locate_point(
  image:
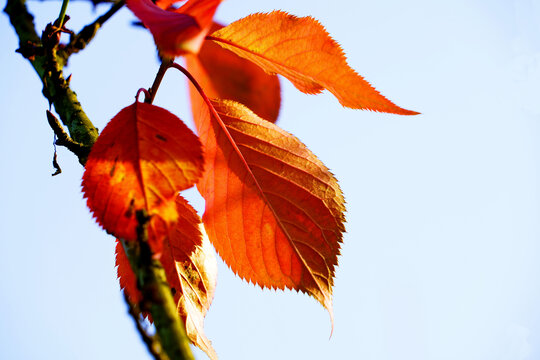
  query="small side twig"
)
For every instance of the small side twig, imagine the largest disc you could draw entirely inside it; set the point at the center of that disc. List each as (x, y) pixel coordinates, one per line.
(79, 41)
(56, 88)
(60, 21)
(63, 139)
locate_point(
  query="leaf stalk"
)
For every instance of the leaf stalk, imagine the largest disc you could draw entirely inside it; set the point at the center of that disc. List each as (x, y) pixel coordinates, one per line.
(165, 65)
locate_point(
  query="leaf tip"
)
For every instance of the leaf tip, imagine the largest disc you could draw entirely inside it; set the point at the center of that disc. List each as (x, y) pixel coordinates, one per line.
(409, 112)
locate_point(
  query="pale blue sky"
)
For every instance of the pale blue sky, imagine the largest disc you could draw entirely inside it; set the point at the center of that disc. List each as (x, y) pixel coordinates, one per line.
(441, 260)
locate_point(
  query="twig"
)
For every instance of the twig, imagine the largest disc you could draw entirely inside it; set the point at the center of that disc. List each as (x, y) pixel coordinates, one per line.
(151, 343)
(156, 293)
(151, 277)
(60, 21)
(55, 87)
(63, 139)
(81, 40)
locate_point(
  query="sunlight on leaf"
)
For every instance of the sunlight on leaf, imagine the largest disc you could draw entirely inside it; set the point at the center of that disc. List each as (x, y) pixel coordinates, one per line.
(224, 75)
(301, 50)
(274, 212)
(141, 160)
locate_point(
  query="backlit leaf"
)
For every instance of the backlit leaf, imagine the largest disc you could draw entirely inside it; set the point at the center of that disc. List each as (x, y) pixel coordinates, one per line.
(301, 50)
(224, 75)
(176, 31)
(141, 160)
(274, 212)
(191, 269)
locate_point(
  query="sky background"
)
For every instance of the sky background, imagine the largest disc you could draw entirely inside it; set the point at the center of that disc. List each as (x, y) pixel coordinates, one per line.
(441, 259)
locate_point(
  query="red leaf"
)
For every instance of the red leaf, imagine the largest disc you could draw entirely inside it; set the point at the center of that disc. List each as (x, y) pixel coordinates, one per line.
(301, 50)
(191, 270)
(273, 211)
(176, 32)
(167, 4)
(224, 75)
(139, 162)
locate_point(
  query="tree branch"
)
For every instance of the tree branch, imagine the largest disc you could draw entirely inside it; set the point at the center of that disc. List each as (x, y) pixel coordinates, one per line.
(55, 88)
(63, 139)
(42, 53)
(152, 344)
(156, 293)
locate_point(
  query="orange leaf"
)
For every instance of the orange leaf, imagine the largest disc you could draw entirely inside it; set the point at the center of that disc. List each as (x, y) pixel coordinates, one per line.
(178, 31)
(138, 162)
(191, 270)
(224, 75)
(273, 210)
(301, 50)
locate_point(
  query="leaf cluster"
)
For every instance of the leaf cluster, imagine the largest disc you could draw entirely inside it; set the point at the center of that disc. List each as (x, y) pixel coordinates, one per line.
(274, 212)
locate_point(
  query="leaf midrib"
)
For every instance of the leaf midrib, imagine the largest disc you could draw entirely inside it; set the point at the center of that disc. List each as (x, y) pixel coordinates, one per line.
(232, 142)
